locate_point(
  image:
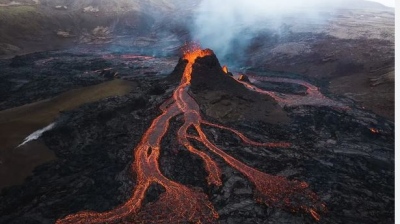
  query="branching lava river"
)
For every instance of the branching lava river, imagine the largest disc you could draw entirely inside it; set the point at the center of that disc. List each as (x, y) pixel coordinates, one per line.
(179, 203)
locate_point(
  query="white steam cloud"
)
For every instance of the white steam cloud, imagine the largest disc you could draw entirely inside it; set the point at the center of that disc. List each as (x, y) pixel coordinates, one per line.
(35, 135)
(228, 25)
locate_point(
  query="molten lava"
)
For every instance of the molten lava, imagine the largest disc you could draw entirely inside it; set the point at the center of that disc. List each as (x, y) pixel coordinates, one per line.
(225, 69)
(313, 96)
(374, 130)
(180, 203)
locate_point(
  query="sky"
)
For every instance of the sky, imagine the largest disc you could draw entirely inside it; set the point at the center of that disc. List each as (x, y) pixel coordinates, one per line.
(389, 3)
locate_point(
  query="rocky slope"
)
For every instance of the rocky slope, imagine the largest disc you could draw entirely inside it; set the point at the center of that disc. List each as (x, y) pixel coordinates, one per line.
(30, 26)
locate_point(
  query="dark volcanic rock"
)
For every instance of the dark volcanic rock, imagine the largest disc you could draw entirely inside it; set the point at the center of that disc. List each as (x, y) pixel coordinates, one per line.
(346, 156)
(157, 90)
(176, 74)
(209, 76)
(94, 145)
(244, 78)
(220, 96)
(47, 74)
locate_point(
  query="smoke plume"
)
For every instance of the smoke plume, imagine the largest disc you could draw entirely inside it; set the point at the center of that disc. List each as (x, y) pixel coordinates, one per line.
(228, 26)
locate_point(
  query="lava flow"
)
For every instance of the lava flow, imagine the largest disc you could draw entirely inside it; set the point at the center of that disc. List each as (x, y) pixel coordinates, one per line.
(179, 203)
(313, 96)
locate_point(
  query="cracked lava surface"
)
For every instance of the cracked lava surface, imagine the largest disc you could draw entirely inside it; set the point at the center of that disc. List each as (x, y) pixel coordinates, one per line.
(180, 203)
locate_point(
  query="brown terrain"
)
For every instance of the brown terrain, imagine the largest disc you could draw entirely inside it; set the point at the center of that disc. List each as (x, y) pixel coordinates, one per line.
(354, 52)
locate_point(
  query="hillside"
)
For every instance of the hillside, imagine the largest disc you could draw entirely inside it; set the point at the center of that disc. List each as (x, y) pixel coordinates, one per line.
(29, 26)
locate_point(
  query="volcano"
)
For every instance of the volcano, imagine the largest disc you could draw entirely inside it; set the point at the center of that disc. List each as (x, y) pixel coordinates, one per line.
(222, 97)
(203, 146)
(108, 116)
(179, 203)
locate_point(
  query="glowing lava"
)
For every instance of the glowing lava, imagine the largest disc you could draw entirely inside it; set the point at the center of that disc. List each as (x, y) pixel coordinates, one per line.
(313, 96)
(374, 130)
(179, 203)
(225, 69)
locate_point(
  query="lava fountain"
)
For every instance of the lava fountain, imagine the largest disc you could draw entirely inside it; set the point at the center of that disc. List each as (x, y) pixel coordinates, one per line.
(179, 203)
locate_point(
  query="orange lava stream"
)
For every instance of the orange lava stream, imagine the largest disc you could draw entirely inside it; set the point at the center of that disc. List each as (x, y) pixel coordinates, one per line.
(313, 97)
(247, 140)
(182, 204)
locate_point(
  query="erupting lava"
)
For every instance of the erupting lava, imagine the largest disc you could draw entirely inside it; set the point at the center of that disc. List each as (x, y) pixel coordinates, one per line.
(182, 204)
(225, 69)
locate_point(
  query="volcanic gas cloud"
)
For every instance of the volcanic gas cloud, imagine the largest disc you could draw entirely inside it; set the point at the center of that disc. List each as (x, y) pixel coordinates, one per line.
(180, 203)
